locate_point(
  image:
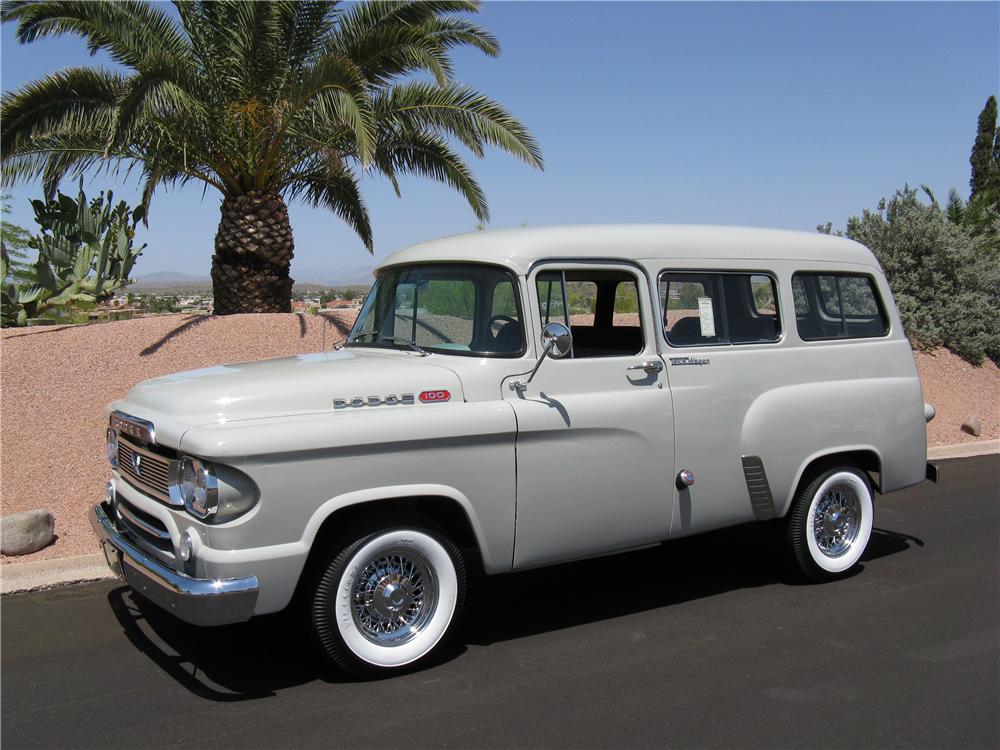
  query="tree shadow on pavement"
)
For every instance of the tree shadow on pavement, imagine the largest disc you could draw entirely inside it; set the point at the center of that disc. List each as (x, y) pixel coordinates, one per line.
(253, 660)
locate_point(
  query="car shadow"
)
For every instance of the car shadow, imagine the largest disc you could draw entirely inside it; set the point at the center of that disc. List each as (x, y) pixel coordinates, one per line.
(256, 659)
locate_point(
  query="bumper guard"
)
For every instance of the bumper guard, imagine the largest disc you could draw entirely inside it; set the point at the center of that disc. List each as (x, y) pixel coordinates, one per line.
(199, 601)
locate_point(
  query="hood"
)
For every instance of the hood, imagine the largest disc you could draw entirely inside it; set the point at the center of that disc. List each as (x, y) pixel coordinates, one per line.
(291, 385)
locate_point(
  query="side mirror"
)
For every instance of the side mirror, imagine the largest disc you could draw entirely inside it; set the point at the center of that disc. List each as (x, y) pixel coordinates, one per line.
(557, 342)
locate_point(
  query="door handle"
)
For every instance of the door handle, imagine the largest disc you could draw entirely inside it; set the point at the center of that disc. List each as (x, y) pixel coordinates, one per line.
(650, 366)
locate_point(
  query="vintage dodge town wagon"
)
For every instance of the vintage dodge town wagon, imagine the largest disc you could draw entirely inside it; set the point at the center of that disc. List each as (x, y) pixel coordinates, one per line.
(674, 379)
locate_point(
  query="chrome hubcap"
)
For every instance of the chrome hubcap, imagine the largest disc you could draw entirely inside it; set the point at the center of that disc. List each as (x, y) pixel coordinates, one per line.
(837, 520)
(394, 597)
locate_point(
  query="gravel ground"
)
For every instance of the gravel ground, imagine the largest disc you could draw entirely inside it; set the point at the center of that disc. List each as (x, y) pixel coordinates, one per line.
(56, 382)
(957, 390)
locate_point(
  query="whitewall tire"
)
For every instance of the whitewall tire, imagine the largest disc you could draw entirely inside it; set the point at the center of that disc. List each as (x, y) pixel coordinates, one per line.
(831, 523)
(388, 598)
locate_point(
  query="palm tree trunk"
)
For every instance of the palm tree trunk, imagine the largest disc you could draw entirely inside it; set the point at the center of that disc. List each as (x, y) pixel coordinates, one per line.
(253, 255)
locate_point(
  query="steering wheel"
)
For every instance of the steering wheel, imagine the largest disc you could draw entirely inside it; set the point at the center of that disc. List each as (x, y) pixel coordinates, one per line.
(499, 319)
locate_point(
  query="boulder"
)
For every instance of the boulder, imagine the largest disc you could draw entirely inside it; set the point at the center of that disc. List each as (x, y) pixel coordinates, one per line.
(971, 425)
(24, 533)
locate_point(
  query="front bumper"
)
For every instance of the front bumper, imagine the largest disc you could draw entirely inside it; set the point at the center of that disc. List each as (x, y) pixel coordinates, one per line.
(199, 601)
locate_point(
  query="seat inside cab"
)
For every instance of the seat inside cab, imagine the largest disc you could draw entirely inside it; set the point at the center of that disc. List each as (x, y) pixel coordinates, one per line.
(603, 310)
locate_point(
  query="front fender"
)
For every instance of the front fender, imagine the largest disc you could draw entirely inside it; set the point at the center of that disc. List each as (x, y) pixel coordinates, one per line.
(396, 492)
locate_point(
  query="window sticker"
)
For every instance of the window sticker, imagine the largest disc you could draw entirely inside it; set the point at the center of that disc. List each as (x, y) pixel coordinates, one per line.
(707, 317)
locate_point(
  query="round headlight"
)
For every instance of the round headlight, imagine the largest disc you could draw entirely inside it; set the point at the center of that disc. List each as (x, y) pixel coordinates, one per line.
(113, 448)
(199, 487)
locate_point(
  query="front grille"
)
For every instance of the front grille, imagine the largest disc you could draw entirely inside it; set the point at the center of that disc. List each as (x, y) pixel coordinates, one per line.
(142, 526)
(146, 471)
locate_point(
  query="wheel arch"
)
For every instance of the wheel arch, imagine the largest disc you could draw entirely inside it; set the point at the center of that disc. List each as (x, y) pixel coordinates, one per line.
(864, 457)
(440, 504)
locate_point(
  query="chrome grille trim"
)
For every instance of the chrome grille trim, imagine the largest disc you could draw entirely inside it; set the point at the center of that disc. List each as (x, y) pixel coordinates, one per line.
(144, 530)
(125, 510)
(156, 471)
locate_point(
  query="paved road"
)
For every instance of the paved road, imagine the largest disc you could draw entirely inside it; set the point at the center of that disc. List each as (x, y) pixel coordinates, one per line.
(708, 642)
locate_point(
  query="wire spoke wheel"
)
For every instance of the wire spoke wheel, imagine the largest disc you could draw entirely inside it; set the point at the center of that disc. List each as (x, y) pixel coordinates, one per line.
(831, 522)
(836, 520)
(388, 595)
(394, 597)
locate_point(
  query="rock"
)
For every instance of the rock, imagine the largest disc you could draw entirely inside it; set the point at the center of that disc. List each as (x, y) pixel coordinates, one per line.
(971, 425)
(24, 533)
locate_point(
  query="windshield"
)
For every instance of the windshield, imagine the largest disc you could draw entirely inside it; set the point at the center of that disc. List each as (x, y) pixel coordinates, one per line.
(447, 309)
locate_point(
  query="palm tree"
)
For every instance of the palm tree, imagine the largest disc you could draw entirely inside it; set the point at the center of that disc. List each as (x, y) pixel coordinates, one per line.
(264, 101)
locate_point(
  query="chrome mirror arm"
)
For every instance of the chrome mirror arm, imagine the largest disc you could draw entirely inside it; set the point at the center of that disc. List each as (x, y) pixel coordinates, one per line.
(557, 342)
(521, 386)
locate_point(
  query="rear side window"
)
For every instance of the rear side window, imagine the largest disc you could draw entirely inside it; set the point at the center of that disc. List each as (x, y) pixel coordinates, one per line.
(704, 309)
(837, 306)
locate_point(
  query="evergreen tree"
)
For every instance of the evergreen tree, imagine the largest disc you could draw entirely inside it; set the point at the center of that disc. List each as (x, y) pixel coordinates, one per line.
(984, 150)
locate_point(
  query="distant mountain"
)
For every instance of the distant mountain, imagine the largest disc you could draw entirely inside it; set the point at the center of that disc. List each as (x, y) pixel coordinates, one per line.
(170, 280)
(350, 276)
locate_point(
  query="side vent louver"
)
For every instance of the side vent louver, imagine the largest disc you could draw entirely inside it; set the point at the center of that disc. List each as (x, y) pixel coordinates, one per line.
(761, 499)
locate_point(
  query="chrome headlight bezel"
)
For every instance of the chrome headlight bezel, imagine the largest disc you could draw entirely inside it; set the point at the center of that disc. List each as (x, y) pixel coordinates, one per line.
(198, 487)
(112, 445)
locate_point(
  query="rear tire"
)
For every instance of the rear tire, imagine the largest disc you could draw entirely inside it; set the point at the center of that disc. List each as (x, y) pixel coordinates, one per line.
(388, 598)
(831, 523)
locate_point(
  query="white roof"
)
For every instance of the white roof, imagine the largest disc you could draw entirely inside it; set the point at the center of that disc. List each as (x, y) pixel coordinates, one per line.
(518, 249)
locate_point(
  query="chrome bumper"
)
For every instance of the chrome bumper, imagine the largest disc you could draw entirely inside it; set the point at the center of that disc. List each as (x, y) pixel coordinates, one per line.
(199, 601)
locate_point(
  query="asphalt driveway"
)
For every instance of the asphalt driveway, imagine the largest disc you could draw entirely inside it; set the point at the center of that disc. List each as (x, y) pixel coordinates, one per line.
(707, 642)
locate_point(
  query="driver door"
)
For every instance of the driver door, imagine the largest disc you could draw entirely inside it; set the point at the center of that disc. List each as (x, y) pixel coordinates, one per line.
(595, 429)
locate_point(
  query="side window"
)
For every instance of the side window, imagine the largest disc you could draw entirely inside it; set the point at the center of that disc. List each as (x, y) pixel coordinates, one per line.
(601, 307)
(706, 309)
(837, 306)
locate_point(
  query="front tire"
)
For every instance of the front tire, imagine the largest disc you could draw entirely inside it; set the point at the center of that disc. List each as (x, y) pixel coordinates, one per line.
(388, 599)
(831, 523)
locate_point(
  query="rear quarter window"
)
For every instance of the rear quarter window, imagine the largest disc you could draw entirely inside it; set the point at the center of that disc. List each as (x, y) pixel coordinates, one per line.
(837, 306)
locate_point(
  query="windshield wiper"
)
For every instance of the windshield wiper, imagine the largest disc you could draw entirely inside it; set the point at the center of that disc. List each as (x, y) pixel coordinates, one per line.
(407, 342)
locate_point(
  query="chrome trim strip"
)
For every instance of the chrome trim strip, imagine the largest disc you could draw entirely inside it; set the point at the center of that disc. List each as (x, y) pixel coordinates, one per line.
(199, 601)
(147, 527)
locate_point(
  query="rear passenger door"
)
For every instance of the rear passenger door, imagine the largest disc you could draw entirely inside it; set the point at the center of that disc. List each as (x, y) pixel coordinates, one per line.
(595, 433)
(722, 330)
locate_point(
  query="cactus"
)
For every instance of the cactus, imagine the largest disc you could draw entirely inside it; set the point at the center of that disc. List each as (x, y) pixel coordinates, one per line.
(85, 253)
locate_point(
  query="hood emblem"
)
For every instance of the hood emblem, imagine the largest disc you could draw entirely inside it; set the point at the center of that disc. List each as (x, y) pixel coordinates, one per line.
(405, 399)
(137, 464)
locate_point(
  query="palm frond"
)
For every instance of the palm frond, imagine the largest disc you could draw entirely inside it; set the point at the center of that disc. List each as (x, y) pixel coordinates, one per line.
(337, 190)
(67, 100)
(129, 30)
(466, 114)
(333, 93)
(428, 155)
(156, 92)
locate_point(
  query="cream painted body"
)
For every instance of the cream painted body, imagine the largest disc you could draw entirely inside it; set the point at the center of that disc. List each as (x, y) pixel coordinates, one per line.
(584, 462)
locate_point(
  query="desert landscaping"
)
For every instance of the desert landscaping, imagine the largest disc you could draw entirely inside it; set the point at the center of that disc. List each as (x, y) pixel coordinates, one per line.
(57, 381)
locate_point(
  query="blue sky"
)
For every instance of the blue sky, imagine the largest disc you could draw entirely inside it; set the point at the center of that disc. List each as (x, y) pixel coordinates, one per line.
(776, 114)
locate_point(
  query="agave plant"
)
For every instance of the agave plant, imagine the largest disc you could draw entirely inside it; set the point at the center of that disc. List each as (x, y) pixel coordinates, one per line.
(265, 102)
(85, 252)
